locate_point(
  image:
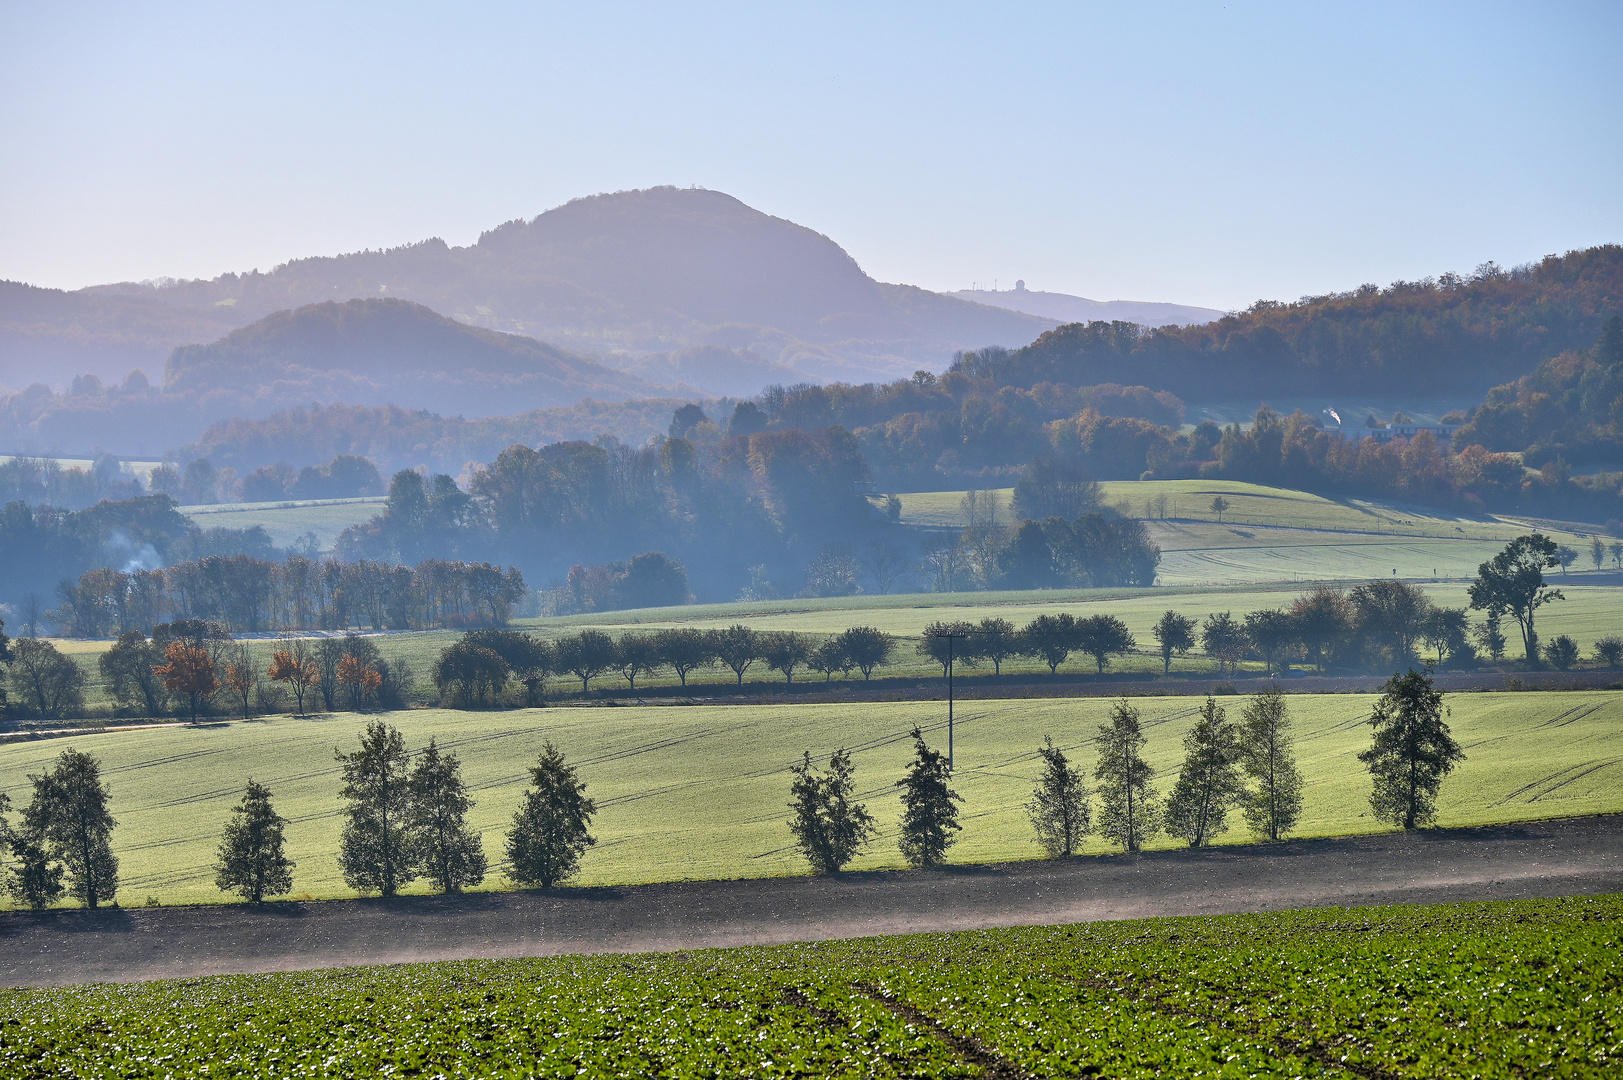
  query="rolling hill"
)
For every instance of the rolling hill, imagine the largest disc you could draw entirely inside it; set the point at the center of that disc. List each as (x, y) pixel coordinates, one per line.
(388, 351)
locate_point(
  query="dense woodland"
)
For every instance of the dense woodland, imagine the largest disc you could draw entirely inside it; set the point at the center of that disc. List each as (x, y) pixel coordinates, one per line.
(1436, 335)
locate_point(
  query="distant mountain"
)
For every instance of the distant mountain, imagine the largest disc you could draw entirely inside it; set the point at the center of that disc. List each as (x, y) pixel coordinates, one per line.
(389, 351)
(626, 276)
(1064, 308)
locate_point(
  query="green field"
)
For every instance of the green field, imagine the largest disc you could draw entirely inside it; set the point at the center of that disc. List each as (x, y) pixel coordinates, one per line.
(289, 521)
(1280, 535)
(699, 792)
(1517, 989)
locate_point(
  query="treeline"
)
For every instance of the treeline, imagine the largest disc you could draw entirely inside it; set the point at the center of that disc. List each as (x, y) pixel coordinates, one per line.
(397, 438)
(717, 505)
(41, 546)
(1379, 625)
(1292, 451)
(251, 595)
(1436, 335)
(195, 668)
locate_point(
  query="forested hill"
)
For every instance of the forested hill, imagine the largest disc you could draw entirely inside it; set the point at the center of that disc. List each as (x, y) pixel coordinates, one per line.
(1449, 334)
(643, 272)
(387, 351)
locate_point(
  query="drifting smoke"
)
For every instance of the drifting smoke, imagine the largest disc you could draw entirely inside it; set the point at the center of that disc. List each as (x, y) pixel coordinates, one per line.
(122, 548)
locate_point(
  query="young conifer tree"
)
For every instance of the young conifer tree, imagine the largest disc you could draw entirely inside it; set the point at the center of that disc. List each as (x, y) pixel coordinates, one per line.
(1411, 753)
(251, 860)
(1128, 808)
(1209, 783)
(828, 826)
(549, 833)
(68, 818)
(1059, 805)
(453, 856)
(1273, 808)
(929, 817)
(378, 849)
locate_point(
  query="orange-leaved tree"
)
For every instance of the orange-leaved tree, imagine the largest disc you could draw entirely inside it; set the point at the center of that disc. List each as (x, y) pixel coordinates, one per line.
(298, 670)
(362, 679)
(189, 670)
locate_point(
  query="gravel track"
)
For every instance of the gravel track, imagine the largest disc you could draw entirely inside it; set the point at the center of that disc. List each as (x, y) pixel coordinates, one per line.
(1540, 859)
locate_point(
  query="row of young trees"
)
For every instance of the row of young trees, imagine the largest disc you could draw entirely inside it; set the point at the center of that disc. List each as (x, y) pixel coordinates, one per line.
(253, 595)
(478, 668)
(1249, 765)
(1381, 622)
(195, 668)
(403, 820)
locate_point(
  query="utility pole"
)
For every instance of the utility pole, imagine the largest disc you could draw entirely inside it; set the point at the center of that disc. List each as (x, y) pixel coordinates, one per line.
(953, 635)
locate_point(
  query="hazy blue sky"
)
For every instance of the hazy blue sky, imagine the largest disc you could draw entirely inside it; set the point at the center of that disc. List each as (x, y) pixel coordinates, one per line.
(1201, 153)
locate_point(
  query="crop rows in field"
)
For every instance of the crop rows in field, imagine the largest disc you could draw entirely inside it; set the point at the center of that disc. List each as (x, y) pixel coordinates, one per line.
(1528, 988)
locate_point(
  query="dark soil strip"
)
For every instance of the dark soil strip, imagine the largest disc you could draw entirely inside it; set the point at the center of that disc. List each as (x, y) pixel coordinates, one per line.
(795, 998)
(967, 1047)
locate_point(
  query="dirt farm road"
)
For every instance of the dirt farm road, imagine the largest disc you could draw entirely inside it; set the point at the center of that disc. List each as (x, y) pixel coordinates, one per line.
(1539, 859)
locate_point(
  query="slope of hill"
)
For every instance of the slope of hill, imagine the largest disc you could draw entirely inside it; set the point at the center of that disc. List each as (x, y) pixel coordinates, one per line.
(383, 351)
(1065, 308)
(640, 272)
(1450, 335)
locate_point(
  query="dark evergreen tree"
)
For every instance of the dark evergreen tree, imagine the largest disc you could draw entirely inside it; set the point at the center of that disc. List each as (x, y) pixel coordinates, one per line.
(549, 832)
(1059, 805)
(1209, 783)
(251, 860)
(929, 817)
(452, 855)
(1129, 811)
(1266, 746)
(828, 826)
(378, 849)
(69, 818)
(1412, 751)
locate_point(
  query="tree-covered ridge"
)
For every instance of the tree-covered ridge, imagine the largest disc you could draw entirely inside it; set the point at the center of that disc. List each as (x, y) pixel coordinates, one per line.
(1449, 333)
(1570, 406)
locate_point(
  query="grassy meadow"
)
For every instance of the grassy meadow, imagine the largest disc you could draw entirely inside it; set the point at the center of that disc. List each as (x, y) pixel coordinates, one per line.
(693, 792)
(1280, 535)
(289, 521)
